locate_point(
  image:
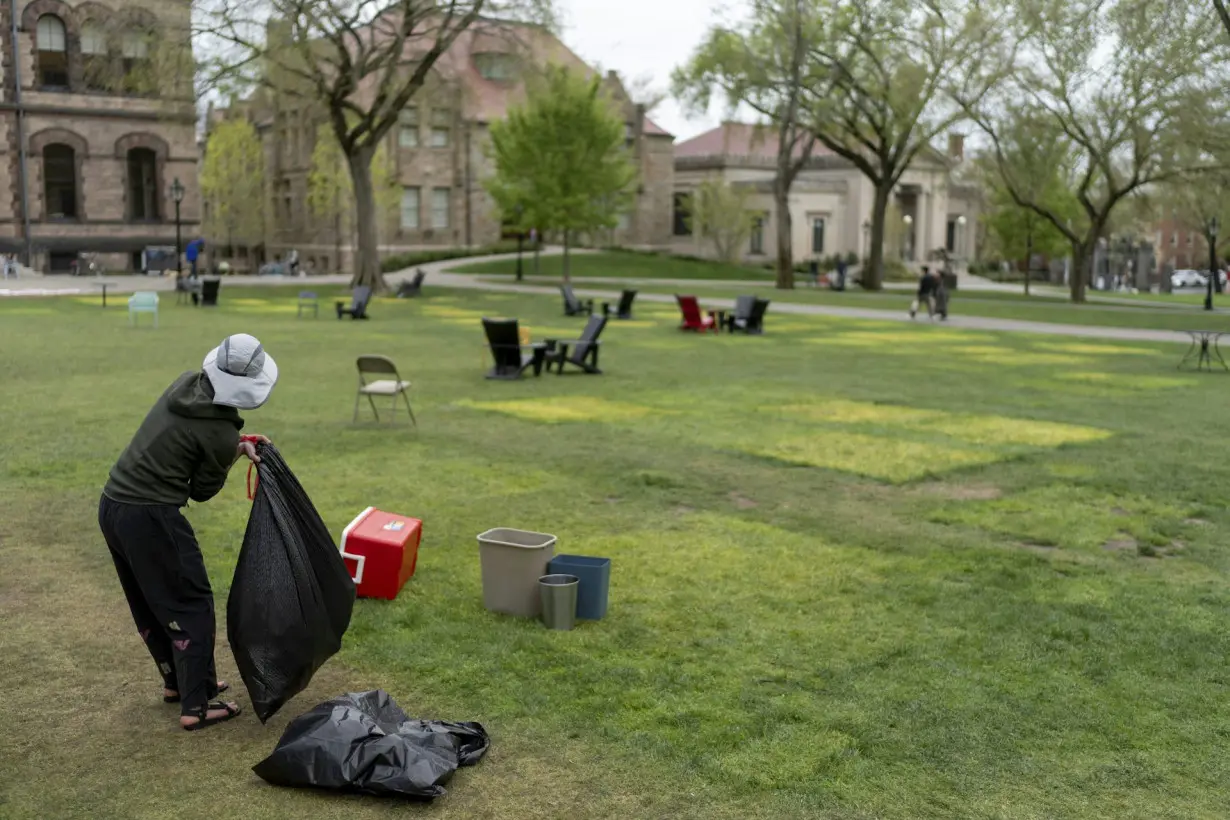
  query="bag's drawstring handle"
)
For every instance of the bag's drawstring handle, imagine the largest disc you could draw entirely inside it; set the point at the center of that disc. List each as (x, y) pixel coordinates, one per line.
(252, 487)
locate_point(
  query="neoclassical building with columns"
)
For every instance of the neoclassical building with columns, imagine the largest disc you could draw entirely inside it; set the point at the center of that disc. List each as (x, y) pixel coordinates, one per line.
(96, 122)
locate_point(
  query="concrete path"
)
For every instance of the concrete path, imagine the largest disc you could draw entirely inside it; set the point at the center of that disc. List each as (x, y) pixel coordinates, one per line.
(439, 274)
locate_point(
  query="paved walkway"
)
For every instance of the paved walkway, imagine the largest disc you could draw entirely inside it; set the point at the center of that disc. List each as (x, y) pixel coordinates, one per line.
(439, 274)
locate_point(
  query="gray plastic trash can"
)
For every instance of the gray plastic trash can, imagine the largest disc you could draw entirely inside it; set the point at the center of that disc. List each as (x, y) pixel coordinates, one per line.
(559, 600)
(512, 561)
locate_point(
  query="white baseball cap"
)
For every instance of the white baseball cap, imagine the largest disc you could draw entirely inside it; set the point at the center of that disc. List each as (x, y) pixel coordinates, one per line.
(241, 373)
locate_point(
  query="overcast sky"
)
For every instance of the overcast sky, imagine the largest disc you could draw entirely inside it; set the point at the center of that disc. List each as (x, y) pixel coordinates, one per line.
(645, 38)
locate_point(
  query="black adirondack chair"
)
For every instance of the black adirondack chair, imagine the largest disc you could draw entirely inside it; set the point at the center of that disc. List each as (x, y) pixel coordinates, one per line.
(358, 304)
(512, 358)
(408, 290)
(574, 306)
(624, 309)
(582, 352)
(748, 315)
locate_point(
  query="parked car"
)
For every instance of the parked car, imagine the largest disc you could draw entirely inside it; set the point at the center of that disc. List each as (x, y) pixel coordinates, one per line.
(272, 269)
(1188, 279)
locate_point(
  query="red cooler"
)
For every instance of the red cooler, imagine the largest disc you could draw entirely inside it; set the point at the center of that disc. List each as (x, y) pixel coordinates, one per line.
(380, 550)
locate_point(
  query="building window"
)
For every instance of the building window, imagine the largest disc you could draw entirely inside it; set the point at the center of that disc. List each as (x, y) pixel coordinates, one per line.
(625, 222)
(440, 198)
(52, 52)
(410, 208)
(59, 182)
(1189, 240)
(1174, 239)
(756, 245)
(496, 67)
(950, 242)
(408, 134)
(683, 214)
(817, 234)
(441, 123)
(134, 49)
(142, 185)
(94, 57)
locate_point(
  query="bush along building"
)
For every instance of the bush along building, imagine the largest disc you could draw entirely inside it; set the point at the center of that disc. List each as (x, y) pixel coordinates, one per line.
(96, 123)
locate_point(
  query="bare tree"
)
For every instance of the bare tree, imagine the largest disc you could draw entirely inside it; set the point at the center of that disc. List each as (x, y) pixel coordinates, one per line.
(359, 61)
(882, 74)
(1132, 87)
(761, 64)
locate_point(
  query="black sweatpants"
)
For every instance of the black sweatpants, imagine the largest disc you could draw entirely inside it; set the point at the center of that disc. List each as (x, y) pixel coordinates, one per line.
(163, 575)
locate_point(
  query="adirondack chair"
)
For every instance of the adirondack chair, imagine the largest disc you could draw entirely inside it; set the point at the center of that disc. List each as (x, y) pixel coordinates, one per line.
(145, 301)
(407, 290)
(358, 304)
(582, 352)
(748, 315)
(512, 356)
(624, 309)
(308, 301)
(574, 306)
(692, 317)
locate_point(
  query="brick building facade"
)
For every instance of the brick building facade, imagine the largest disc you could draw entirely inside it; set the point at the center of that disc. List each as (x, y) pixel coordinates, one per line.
(89, 142)
(438, 151)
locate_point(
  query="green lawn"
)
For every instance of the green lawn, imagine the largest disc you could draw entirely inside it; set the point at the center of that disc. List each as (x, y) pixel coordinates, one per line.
(1167, 314)
(860, 569)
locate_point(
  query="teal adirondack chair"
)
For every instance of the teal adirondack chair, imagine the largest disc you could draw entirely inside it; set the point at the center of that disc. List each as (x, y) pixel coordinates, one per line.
(145, 301)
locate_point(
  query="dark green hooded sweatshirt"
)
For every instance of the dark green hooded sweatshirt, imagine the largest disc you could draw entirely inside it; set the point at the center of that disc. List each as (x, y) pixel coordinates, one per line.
(183, 450)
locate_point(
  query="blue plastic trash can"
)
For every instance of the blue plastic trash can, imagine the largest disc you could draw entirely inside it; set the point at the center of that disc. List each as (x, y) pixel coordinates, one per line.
(595, 582)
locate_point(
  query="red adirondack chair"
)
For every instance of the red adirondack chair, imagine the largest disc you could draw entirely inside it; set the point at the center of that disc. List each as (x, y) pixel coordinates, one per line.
(693, 319)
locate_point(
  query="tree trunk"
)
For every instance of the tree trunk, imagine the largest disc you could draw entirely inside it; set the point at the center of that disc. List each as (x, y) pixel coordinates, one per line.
(873, 271)
(367, 258)
(1029, 256)
(781, 206)
(567, 259)
(1082, 267)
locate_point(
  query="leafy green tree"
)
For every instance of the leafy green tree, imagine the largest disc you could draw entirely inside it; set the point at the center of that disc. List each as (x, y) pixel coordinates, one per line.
(360, 62)
(1134, 88)
(760, 63)
(331, 192)
(232, 184)
(560, 158)
(719, 212)
(880, 83)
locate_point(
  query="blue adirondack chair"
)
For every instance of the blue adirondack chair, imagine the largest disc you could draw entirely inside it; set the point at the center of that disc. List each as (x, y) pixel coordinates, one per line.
(145, 301)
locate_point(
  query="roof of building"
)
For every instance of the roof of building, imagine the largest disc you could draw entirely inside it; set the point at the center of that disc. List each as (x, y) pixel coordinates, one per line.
(739, 139)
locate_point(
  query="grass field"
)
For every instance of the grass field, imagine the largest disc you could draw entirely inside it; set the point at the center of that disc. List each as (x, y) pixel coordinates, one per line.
(1155, 312)
(860, 569)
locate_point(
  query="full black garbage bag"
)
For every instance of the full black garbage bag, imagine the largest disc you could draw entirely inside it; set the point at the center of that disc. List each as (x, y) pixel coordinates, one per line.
(362, 742)
(291, 597)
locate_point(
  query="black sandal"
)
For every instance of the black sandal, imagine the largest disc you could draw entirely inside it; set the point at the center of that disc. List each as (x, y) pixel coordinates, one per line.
(222, 687)
(202, 721)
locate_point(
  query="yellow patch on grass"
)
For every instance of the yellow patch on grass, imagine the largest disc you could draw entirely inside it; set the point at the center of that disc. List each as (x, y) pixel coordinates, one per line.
(564, 409)
(1096, 349)
(1125, 381)
(887, 459)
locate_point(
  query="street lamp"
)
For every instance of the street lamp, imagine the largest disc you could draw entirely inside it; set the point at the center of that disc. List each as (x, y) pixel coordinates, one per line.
(908, 250)
(866, 239)
(960, 243)
(1208, 299)
(177, 196)
(520, 237)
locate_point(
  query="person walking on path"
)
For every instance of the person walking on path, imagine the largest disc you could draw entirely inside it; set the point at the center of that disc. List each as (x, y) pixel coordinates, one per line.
(183, 451)
(926, 290)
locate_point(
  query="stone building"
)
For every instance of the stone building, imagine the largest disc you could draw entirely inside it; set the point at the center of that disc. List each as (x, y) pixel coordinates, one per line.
(438, 153)
(98, 120)
(830, 201)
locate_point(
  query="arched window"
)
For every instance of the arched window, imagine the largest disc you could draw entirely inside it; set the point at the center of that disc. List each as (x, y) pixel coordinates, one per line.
(52, 40)
(142, 185)
(59, 182)
(96, 66)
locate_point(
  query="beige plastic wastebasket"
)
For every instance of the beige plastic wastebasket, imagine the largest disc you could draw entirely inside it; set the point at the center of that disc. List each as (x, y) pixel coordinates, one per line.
(512, 561)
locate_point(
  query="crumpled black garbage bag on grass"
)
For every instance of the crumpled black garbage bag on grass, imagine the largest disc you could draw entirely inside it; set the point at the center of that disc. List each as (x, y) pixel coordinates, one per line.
(362, 742)
(291, 597)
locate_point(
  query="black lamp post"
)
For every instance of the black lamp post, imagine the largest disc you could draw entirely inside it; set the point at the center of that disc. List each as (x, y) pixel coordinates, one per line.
(1208, 299)
(177, 196)
(520, 238)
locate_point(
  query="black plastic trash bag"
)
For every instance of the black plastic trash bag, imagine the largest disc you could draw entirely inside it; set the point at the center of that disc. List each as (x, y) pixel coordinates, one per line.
(362, 742)
(291, 597)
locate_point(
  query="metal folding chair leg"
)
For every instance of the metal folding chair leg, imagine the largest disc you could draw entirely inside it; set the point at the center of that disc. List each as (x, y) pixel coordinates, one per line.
(413, 420)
